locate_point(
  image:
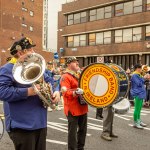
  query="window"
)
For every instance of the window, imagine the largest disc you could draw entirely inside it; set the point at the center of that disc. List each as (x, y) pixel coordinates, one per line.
(99, 38)
(108, 12)
(119, 10)
(128, 8)
(127, 35)
(137, 34)
(148, 4)
(70, 19)
(147, 32)
(79, 40)
(70, 41)
(76, 41)
(76, 18)
(100, 13)
(82, 40)
(31, 13)
(107, 37)
(92, 39)
(137, 6)
(118, 36)
(92, 15)
(83, 17)
(31, 28)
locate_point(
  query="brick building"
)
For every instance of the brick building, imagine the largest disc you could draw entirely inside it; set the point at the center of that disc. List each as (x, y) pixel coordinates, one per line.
(19, 18)
(117, 30)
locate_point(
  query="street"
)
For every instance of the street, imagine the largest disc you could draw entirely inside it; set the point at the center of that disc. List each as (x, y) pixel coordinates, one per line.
(129, 137)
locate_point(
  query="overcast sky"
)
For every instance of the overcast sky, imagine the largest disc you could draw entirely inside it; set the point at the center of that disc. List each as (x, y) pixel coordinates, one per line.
(54, 7)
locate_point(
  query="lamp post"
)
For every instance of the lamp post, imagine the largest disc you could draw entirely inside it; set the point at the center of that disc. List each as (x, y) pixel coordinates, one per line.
(2, 51)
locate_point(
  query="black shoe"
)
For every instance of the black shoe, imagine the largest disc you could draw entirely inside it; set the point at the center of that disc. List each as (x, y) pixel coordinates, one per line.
(99, 117)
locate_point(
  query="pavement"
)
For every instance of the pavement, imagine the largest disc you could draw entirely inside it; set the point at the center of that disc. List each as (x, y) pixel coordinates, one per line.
(129, 138)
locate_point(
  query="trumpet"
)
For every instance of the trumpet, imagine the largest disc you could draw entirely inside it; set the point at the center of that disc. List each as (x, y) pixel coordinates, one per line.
(29, 70)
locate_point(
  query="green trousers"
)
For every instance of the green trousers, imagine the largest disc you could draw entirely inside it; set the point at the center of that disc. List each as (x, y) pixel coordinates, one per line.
(138, 103)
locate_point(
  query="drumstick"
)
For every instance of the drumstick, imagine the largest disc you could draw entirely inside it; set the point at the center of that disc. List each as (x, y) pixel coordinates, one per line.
(64, 89)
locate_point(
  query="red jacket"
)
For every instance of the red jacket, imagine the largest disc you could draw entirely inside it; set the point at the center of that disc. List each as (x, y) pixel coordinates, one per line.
(71, 102)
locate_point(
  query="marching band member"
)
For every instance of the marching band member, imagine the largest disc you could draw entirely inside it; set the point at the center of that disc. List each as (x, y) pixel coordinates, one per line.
(108, 116)
(73, 109)
(25, 116)
(138, 91)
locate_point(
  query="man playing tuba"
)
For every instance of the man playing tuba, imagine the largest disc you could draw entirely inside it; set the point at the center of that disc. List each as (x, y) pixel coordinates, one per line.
(26, 118)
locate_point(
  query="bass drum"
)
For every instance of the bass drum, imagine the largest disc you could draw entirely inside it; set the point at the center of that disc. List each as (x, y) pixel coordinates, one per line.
(122, 107)
(103, 84)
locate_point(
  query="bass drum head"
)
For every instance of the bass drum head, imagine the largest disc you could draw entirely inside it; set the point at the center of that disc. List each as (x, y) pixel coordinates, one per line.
(100, 85)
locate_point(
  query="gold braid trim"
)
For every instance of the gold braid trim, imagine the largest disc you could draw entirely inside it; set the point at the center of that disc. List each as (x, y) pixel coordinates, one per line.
(74, 74)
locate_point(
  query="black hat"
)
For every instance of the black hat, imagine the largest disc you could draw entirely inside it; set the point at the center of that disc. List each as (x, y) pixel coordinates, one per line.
(71, 59)
(24, 43)
(137, 66)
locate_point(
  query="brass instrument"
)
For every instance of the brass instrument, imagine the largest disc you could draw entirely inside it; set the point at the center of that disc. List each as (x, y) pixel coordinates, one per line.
(144, 70)
(29, 69)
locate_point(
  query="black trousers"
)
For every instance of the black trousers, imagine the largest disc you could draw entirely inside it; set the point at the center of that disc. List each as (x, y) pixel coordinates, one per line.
(99, 112)
(29, 140)
(77, 128)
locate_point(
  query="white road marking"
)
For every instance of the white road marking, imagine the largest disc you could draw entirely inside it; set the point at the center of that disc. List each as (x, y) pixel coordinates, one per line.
(56, 128)
(121, 117)
(95, 119)
(94, 125)
(64, 124)
(63, 119)
(56, 142)
(59, 127)
(131, 125)
(143, 111)
(94, 128)
(131, 112)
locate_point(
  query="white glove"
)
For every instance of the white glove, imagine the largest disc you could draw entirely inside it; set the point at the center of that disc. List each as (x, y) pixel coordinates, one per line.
(79, 91)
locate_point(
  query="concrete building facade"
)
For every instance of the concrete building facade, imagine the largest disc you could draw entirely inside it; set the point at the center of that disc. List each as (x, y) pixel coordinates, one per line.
(101, 30)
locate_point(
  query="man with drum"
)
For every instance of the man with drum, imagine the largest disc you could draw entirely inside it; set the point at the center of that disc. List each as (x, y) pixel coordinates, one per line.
(108, 116)
(138, 91)
(75, 111)
(25, 115)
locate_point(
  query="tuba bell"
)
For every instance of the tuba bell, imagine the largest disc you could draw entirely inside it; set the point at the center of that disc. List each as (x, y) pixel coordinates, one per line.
(29, 69)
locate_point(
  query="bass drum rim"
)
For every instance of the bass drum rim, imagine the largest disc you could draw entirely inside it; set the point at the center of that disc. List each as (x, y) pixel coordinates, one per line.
(119, 98)
(117, 80)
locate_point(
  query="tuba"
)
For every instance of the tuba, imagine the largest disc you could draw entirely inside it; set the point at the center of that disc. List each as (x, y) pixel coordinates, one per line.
(29, 69)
